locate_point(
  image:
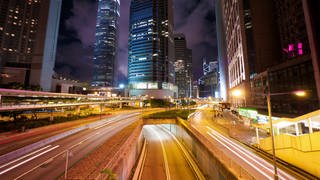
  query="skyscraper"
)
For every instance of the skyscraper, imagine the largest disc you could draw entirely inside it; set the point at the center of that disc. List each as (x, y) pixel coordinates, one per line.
(222, 55)
(251, 38)
(183, 66)
(209, 83)
(151, 48)
(28, 39)
(272, 45)
(105, 52)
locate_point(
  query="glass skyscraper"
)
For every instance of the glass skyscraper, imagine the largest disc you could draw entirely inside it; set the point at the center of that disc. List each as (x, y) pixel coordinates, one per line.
(105, 52)
(151, 50)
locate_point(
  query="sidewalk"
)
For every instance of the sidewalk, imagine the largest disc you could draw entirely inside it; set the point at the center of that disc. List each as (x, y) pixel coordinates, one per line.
(237, 129)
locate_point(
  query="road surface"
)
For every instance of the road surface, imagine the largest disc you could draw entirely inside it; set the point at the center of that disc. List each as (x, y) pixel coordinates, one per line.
(165, 157)
(49, 161)
(252, 163)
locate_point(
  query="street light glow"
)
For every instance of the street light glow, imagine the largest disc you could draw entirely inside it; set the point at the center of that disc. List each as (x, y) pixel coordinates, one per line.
(237, 93)
(300, 93)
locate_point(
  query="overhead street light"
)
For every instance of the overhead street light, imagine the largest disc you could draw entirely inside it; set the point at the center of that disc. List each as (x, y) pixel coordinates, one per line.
(237, 93)
(299, 93)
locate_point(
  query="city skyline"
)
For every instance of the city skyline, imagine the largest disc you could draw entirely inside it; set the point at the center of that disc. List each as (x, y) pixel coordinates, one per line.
(160, 89)
(106, 44)
(77, 38)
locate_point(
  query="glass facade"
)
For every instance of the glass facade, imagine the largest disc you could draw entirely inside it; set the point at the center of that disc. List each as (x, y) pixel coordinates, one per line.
(151, 51)
(105, 52)
(183, 66)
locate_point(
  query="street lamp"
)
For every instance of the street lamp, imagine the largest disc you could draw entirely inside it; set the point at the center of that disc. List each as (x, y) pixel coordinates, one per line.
(239, 93)
(299, 93)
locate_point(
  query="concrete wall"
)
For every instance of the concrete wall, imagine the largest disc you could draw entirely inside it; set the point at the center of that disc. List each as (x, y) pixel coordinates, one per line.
(302, 151)
(211, 166)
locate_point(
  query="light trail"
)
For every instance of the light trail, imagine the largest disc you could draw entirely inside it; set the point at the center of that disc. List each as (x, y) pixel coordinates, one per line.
(187, 156)
(228, 144)
(100, 133)
(25, 161)
(164, 155)
(4, 165)
(267, 176)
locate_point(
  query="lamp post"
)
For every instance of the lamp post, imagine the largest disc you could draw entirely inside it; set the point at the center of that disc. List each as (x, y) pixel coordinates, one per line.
(238, 93)
(272, 135)
(297, 93)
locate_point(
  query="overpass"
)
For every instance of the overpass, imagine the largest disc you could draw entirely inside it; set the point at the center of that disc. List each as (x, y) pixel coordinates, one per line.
(17, 100)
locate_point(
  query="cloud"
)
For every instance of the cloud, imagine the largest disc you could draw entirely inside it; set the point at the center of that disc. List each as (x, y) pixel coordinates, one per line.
(123, 41)
(75, 61)
(83, 21)
(196, 19)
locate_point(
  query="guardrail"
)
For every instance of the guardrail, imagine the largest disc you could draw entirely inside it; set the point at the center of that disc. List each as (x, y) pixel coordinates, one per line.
(41, 106)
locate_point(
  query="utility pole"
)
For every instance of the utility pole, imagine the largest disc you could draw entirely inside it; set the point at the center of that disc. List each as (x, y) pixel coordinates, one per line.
(67, 163)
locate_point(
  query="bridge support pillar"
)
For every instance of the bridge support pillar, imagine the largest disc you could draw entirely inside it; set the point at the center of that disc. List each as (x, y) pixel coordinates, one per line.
(120, 105)
(51, 116)
(78, 110)
(257, 136)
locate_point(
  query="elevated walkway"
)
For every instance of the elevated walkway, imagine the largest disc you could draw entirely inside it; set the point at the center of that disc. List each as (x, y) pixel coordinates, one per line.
(297, 141)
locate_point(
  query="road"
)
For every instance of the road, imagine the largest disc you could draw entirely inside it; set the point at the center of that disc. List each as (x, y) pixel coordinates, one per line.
(49, 161)
(252, 163)
(165, 157)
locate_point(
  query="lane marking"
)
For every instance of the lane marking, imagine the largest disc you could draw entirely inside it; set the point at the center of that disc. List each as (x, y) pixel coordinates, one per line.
(23, 162)
(141, 161)
(188, 157)
(250, 155)
(111, 128)
(164, 153)
(257, 168)
(4, 165)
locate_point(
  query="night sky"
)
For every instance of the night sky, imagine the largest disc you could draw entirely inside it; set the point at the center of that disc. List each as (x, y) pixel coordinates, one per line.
(194, 18)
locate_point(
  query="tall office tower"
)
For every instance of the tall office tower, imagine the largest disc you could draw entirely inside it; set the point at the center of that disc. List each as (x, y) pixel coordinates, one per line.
(251, 40)
(183, 66)
(209, 82)
(209, 64)
(222, 55)
(105, 52)
(151, 49)
(28, 40)
(298, 67)
(312, 17)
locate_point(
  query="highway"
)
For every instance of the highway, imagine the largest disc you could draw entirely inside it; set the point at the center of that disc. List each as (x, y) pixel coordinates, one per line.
(49, 162)
(252, 163)
(165, 157)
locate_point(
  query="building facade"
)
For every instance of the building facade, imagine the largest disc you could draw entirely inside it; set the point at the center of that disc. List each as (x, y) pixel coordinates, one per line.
(296, 68)
(28, 40)
(105, 52)
(222, 55)
(209, 82)
(151, 49)
(183, 66)
(252, 43)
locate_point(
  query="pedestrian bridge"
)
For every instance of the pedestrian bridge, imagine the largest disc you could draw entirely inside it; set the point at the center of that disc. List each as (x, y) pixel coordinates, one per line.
(297, 141)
